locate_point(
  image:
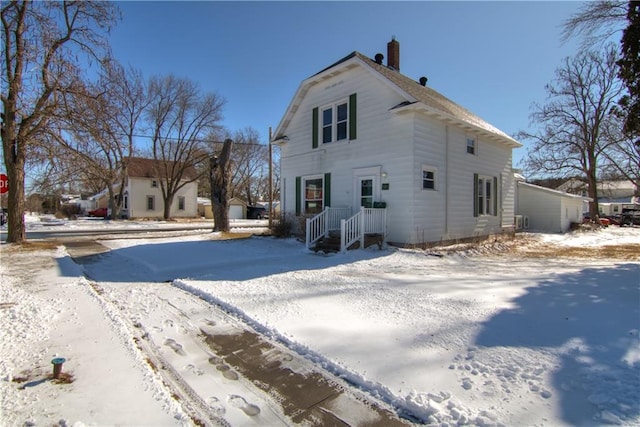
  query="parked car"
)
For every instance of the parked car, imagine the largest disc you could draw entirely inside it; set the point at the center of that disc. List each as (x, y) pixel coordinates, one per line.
(630, 217)
(256, 212)
(100, 212)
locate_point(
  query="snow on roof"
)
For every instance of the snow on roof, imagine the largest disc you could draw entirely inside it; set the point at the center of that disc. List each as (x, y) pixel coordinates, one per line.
(555, 192)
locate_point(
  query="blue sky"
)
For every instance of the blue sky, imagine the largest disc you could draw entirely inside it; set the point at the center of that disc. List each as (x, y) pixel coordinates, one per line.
(493, 58)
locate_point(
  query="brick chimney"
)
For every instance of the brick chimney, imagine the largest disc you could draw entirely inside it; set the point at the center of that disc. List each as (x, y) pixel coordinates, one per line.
(393, 54)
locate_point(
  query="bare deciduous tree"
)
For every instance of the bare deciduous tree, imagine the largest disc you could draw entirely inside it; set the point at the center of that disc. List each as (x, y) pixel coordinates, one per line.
(180, 116)
(41, 43)
(596, 21)
(220, 175)
(99, 128)
(571, 139)
(250, 166)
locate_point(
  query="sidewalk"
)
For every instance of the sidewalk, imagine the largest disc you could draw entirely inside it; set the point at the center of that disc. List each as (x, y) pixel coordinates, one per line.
(306, 396)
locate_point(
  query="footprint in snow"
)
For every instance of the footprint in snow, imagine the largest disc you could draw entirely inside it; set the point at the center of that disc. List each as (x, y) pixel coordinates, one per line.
(240, 402)
(175, 346)
(217, 407)
(227, 372)
(210, 322)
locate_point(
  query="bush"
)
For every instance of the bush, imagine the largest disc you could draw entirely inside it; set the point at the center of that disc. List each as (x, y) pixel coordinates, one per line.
(70, 211)
(284, 226)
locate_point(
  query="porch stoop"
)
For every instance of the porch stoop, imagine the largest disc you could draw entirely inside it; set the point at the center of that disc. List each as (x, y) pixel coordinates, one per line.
(331, 243)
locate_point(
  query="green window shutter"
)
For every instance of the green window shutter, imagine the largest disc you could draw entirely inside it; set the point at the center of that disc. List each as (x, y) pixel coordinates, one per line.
(495, 196)
(353, 116)
(327, 189)
(314, 129)
(475, 194)
(298, 194)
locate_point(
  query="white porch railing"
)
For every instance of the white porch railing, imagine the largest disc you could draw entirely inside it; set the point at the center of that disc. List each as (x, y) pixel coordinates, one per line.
(352, 229)
(320, 225)
(365, 221)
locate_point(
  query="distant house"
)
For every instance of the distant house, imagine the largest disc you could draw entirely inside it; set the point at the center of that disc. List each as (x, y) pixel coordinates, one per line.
(613, 196)
(367, 144)
(143, 196)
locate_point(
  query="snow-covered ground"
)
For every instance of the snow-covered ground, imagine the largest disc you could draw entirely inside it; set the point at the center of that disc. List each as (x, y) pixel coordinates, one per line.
(471, 336)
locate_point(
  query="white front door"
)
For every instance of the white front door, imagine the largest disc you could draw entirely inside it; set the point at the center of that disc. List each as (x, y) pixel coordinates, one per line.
(366, 187)
(365, 191)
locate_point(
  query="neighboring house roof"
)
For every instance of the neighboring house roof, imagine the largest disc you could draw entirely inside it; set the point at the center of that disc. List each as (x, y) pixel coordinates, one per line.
(139, 167)
(417, 97)
(554, 192)
(604, 187)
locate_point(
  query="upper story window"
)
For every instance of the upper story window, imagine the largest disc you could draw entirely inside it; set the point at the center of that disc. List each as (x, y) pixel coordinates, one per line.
(471, 145)
(154, 183)
(428, 178)
(335, 122)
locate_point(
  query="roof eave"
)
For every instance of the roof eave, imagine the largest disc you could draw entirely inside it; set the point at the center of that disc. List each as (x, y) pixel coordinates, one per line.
(447, 118)
(348, 63)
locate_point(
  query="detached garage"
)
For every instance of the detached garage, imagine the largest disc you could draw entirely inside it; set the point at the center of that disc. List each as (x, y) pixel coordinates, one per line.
(237, 208)
(548, 210)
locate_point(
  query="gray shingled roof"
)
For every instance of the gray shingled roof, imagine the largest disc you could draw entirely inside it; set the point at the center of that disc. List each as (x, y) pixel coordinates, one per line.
(424, 94)
(140, 167)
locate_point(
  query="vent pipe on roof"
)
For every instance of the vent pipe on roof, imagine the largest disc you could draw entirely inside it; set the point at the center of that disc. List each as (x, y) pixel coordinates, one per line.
(423, 81)
(393, 54)
(378, 58)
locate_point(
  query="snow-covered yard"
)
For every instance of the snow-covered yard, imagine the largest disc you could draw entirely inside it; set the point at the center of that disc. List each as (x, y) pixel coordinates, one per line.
(526, 333)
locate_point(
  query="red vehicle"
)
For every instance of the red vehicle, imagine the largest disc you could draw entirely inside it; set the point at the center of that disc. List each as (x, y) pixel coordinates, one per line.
(100, 212)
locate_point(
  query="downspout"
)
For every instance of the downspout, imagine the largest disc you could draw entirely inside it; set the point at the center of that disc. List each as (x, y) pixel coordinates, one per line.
(446, 174)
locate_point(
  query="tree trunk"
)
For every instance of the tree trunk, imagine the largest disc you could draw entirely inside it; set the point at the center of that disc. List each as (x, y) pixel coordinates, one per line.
(167, 207)
(15, 212)
(220, 179)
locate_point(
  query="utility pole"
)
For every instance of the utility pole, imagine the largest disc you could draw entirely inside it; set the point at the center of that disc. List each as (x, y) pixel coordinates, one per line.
(270, 181)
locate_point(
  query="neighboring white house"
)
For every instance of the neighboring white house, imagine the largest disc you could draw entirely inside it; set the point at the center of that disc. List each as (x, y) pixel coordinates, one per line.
(613, 196)
(143, 195)
(543, 209)
(359, 133)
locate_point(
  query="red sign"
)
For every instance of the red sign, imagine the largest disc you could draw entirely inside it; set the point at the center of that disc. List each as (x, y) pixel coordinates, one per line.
(4, 183)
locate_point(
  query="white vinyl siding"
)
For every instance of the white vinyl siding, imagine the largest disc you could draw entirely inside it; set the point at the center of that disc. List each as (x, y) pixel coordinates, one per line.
(401, 142)
(139, 188)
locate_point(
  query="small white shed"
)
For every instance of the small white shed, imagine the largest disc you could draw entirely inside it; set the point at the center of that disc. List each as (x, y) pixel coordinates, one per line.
(548, 210)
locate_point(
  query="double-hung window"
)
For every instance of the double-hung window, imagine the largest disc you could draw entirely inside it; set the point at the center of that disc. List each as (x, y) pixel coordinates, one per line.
(485, 195)
(151, 203)
(335, 122)
(471, 145)
(428, 178)
(313, 194)
(181, 203)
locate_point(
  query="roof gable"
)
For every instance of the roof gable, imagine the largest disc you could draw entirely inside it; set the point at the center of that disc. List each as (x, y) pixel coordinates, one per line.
(417, 97)
(140, 167)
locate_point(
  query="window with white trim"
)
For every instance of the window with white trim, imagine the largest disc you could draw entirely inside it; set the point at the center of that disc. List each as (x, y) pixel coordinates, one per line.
(471, 145)
(154, 183)
(151, 203)
(181, 203)
(428, 178)
(334, 125)
(313, 194)
(485, 194)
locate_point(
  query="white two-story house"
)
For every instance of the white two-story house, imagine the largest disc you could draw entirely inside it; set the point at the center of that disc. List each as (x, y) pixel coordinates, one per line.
(143, 195)
(359, 133)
